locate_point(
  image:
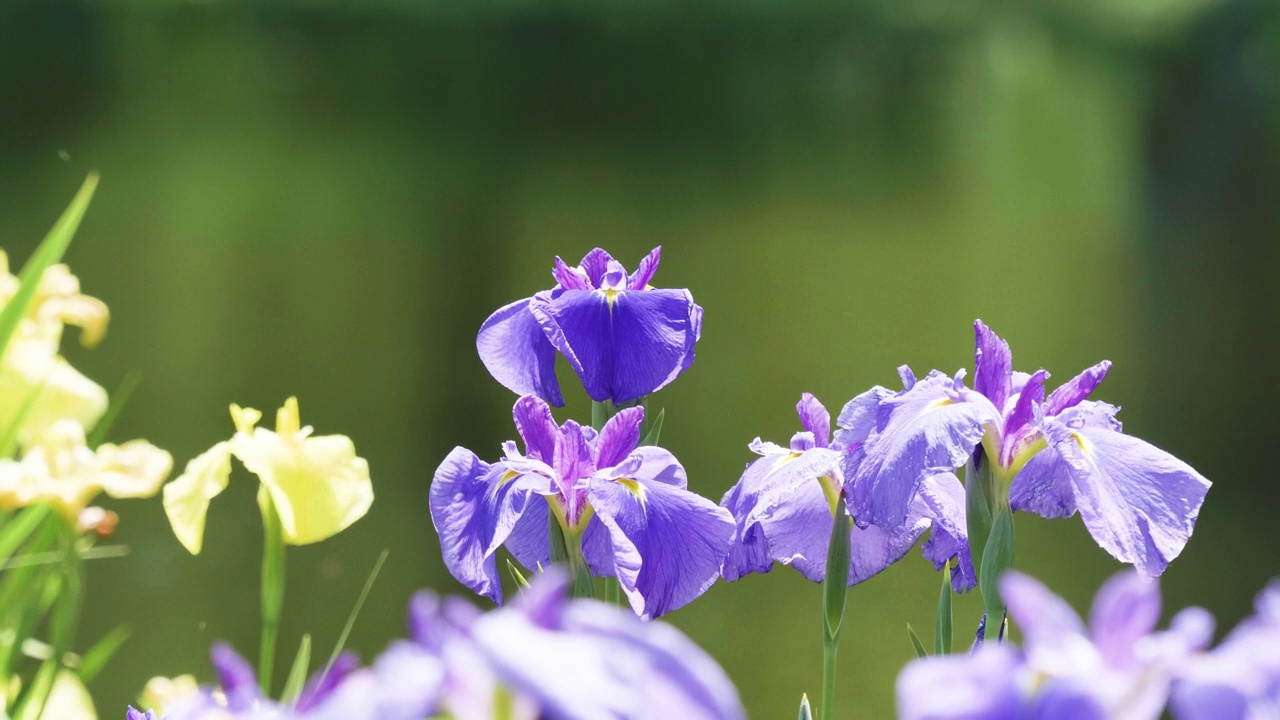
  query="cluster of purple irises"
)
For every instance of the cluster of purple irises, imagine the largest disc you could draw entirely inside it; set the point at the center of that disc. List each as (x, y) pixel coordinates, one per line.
(606, 501)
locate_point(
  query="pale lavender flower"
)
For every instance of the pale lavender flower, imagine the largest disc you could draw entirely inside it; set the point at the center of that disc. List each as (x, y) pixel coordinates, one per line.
(1239, 679)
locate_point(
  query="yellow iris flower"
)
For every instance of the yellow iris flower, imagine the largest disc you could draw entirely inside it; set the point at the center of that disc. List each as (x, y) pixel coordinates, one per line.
(318, 485)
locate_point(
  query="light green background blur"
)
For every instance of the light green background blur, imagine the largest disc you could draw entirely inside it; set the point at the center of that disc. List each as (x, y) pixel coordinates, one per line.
(327, 198)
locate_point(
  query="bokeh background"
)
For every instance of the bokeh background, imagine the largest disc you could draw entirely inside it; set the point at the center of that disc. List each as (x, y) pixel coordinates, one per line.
(326, 198)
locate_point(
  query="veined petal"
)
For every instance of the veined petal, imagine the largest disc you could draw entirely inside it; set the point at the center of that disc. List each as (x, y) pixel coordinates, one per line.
(1043, 487)
(475, 507)
(537, 428)
(1029, 395)
(748, 548)
(1138, 502)
(668, 543)
(919, 432)
(514, 349)
(943, 500)
(619, 437)
(1070, 393)
(570, 278)
(815, 419)
(639, 280)
(992, 365)
(186, 499)
(857, 419)
(318, 484)
(595, 264)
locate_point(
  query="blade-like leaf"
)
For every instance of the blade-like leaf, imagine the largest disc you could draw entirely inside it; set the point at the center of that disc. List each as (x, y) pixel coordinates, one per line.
(19, 528)
(118, 399)
(97, 657)
(942, 632)
(516, 575)
(915, 642)
(655, 430)
(298, 673)
(355, 611)
(49, 252)
(806, 712)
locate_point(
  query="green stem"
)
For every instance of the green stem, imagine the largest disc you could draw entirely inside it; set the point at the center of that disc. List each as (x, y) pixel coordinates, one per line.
(599, 415)
(834, 588)
(612, 591)
(272, 590)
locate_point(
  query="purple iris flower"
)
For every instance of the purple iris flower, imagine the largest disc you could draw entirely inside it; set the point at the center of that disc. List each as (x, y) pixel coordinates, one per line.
(1050, 454)
(626, 507)
(1119, 666)
(1239, 679)
(133, 714)
(785, 503)
(622, 337)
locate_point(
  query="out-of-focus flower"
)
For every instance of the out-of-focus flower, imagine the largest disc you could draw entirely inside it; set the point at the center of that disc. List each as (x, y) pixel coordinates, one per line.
(627, 506)
(161, 693)
(317, 483)
(69, 699)
(61, 470)
(1239, 679)
(1119, 666)
(37, 385)
(623, 338)
(785, 503)
(1049, 455)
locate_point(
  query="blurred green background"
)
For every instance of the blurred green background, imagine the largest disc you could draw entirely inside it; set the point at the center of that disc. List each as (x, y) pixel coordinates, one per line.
(327, 198)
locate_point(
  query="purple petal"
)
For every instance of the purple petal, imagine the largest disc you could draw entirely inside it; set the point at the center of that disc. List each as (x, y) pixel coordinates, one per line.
(645, 270)
(1125, 610)
(321, 686)
(992, 365)
(981, 686)
(815, 419)
(474, 509)
(907, 377)
(239, 681)
(410, 682)
(943, 502)
(625, 345)
(1043, 487)
(529, 540)
(920, 432)
(1032, 394)
(1138, 502)
(1070, 393)
(748, 548)
(1070, 700)
(595, 264)
(570, 278)
(668, 543)
(1045, 618)
(537, 427)
(515, 350)
(857, 419)
(132, 714)
(619, 437)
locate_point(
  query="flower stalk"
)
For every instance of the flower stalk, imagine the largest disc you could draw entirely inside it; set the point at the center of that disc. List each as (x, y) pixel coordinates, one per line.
(272, 588)
(834, 589)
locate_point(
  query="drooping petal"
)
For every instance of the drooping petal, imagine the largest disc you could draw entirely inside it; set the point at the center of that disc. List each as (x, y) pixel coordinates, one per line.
(620, 435)
(814, 418)
(992, 365)
(623, 345)
(943, 499)
(857, 419)
(748, 548)
(1125, 610)
(1043, 487)
(537, 427)
(186, 499)
(514, 349)
(1070, 393)
(474, 507)
(928, 429)
(639, 280)
(668, 543)
(1138, 502)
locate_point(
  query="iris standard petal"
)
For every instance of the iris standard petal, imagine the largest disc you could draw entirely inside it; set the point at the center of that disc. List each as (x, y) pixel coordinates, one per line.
(1138, 502)
(992, 365)
(919, 432)
(620, 435)
(639, 280)
(1072, 392)
(474, 508)
(595, 264)
(814, 418)
(537, 427)
(668, 543)
(1030, 395)
(514, 349)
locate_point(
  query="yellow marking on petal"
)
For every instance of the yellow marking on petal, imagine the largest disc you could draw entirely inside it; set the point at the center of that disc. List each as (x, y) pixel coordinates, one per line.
(244, 418)
(507, 477)
(611, 296)
(634, 488)
(940, 402)
(287, 422)
(1085, 446)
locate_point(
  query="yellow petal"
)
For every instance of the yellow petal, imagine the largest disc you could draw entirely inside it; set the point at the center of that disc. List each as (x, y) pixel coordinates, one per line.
(69, 700)
(30, 368)
(318, 484)
(186, 499)
(135, 469)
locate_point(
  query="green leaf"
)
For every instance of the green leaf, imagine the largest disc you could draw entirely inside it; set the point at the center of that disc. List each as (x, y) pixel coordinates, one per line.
(118, 400)
(298, 672)
(997, 558)
(915, 642)
(516, 575)
(49, 252)
(19, 529)
(806, 712)
(655, 431)
(355, 611)
(835, 586)
(97, 657)
(942, 632)
(9, 441)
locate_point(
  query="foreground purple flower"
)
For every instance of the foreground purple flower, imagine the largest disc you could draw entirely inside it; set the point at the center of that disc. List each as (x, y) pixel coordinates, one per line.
(623, 338)
(1117, 667)
(1239, 679)
(785, 502)
(1051, 455)
(626, 507)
